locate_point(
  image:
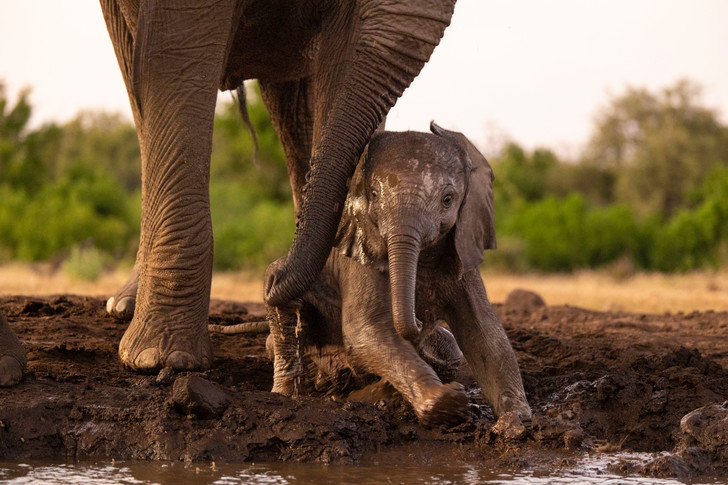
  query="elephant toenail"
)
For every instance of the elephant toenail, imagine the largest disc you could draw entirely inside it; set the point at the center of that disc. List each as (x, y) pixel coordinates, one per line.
(125, 307)
(110, 305)
(147, 359)
(180, 360)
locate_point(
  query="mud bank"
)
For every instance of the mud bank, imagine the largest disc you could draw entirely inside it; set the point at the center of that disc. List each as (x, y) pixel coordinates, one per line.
(598, 383)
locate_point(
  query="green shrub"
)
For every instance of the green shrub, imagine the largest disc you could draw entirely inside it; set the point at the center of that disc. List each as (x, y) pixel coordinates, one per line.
(84, 263)
(562, 234)
(12, 206)
(551, 231)
(83, 205)
(609, 233)
(249, 232)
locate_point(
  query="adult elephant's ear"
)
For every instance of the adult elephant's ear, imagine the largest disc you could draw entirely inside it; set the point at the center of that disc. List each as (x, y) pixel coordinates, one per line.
(358, 237)
(475, 227)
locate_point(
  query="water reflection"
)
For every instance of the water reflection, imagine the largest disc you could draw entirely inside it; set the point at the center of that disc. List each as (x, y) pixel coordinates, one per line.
(588, 471)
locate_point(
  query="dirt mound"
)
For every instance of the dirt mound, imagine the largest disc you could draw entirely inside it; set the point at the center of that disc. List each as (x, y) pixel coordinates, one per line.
(596, 381)
(524, 300)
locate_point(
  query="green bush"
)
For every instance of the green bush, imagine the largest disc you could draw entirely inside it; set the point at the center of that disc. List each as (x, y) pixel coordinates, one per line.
(84, 205)
(249, 232)
(84, 263)
(12, 206)
(695, 238)
(609, 233)
(651, 188)
(551, 231)
(562, 234)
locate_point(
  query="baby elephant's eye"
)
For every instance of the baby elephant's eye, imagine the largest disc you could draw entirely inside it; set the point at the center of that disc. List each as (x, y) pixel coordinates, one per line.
(447, 200)
(374, 194)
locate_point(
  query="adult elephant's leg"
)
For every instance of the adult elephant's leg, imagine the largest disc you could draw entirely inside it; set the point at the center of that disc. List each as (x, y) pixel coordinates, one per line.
(290, 105)
(12, 355)
(486, 347)
(178, 55)
(369, 52)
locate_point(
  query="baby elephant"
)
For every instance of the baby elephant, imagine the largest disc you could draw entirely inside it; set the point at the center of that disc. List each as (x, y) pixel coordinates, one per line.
(416, 222)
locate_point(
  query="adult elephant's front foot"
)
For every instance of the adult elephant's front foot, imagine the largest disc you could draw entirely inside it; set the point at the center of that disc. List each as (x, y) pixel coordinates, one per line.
(161, 340)
(12, 355)
(122, 304)
(172, 332)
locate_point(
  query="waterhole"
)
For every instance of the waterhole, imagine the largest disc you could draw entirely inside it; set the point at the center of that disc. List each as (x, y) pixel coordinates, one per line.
(590, 470)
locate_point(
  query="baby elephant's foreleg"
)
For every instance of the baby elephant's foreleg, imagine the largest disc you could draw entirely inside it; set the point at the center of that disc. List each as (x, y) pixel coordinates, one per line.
(486, 347)
(375, 347)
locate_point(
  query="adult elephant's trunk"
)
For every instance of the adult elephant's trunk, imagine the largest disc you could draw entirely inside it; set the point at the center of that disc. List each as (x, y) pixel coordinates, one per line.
(404, 251)
(387, 44)
(323, 203)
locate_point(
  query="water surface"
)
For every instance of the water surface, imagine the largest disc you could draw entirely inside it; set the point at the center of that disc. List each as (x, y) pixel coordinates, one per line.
(591, 470)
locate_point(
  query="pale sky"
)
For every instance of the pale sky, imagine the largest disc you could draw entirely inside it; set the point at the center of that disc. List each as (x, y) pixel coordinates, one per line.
(533, 71)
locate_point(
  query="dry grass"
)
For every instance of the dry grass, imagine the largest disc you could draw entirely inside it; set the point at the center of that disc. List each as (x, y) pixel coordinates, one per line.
(44, 279)
(642, 292)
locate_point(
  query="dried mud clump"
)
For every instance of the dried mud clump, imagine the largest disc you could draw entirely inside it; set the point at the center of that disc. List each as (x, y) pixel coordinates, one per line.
(524, 300)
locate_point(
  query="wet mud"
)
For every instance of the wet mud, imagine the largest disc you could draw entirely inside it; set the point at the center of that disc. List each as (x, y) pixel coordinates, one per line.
(597, 382)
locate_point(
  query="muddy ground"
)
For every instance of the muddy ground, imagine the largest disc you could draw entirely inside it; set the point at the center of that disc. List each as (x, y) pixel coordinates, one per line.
(598, 383)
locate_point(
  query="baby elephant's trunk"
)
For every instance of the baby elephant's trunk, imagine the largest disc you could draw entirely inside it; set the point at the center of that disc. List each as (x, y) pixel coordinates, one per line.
(404, 251)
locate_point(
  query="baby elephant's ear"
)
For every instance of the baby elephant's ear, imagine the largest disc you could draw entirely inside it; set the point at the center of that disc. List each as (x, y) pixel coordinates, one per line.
(357, 236)
(475, 227)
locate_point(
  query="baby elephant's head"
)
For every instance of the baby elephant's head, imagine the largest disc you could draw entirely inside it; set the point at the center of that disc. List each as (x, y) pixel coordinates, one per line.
(410, 192)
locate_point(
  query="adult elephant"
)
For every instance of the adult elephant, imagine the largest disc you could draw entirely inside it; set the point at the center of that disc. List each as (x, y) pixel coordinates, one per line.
(329, 70)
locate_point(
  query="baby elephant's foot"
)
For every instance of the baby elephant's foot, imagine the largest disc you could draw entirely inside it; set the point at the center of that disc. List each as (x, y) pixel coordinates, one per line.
(437, 347)
(447, 405)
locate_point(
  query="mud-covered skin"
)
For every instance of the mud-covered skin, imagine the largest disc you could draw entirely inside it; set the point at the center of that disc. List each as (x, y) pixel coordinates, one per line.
(312, 357)
(417, 219)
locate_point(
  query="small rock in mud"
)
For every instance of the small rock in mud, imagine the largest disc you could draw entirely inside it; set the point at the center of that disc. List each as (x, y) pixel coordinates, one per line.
(557, 433)
(193, 394)
(666, 466)
(524, 300)
(707, 427)
(165, 376)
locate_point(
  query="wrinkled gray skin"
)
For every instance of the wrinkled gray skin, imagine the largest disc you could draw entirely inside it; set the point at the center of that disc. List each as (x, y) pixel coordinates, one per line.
(328, 70)
(12, 355)
(417, 220)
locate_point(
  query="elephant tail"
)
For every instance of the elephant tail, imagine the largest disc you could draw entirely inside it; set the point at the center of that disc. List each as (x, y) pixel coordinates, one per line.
(239, 96)
(245, 327)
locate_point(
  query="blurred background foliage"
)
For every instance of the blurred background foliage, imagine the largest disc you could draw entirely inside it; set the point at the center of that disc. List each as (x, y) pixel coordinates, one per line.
(648, 191)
